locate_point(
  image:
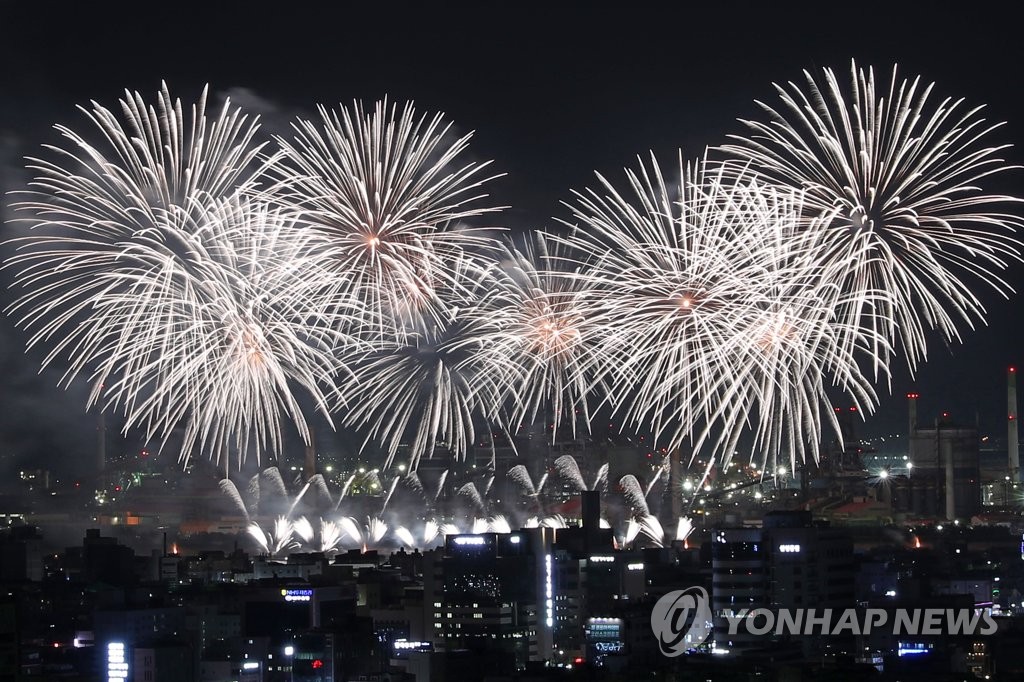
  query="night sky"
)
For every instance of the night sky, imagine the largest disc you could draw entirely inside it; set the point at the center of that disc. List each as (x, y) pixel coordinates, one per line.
(553, 93)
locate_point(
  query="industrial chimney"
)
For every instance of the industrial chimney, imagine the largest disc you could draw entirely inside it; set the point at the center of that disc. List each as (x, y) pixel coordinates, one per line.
(1012, 442)
(912, 421)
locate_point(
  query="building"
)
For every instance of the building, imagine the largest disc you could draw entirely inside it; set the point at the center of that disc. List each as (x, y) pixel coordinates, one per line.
(945, 479)
(791, 562)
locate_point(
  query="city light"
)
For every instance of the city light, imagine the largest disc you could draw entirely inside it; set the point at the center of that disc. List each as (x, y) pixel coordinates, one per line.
(117, 664)
(474, 540)
(548, 592)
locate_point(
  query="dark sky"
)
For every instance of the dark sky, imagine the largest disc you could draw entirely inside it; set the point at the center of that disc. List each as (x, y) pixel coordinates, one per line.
(554, 91)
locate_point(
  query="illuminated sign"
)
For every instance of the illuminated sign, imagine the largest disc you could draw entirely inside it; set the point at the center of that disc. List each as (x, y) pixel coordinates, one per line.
(634, 567)
(406, 645)
(250, 665)
(117, 666)
(297, 595)
(470, 540)
(548, 592)
(599, 559)
(789, 549)
(609, 647)
(515, 539)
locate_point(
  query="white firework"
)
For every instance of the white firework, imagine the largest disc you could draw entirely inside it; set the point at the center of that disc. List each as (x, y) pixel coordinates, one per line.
(388, 191)
(545, 325)
(697, 285)
(429, 387)
(900, 177)
(185, 307)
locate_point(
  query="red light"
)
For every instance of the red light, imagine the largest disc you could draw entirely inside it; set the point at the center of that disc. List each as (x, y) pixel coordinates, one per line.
(117, 488)
(317, 664)
(1012, 369)
(853, 409)
(913, 396)
(577, 660)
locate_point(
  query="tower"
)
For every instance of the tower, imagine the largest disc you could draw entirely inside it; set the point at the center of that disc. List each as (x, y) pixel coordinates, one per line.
(1012, 442)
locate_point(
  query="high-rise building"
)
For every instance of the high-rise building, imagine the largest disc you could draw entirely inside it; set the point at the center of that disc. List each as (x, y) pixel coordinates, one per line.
(790, 562)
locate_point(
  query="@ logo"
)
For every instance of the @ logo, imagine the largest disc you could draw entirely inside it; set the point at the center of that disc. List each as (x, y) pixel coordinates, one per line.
(681, 620)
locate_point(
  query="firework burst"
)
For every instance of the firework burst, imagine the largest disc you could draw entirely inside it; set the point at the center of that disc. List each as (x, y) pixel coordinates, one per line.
(897, 173)
(206, 330)
(428, 387)
(388, 191)
(712, 314)
(545, 326)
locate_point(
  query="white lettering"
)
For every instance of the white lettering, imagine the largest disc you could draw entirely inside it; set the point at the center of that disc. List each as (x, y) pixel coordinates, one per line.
(907, 622)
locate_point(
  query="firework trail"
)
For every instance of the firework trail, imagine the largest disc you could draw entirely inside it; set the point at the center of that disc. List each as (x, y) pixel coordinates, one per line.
(500, 524)
(298, 498)
(521, 477)
(277, 541)
(412, 479)
(634, 494)
(480, 525)
(660, 473)
(601, 478)
(253, 494)
(344, 491)
(388, 192)
(900, 176)
(556, 521)
(228, 488)
(471, 493)
(632, 531)
(569, 469)
(319, 485)
(351, 528)
(440, 485)
(376, 529)
(304, 529)
(405, 536)
(270, 478)
(430, 532)
(391, 491)
(652, 528)
(331, 536)
(684, 528)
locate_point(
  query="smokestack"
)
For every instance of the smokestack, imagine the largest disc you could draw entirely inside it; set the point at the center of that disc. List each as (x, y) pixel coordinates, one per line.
(101, 441)
(309, 465)
(590, 515)
(1012, 439)
(912, 421)
(675, 483)
(946, 447)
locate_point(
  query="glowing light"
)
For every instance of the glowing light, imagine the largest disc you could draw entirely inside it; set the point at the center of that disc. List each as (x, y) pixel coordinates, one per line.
(474, 540)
